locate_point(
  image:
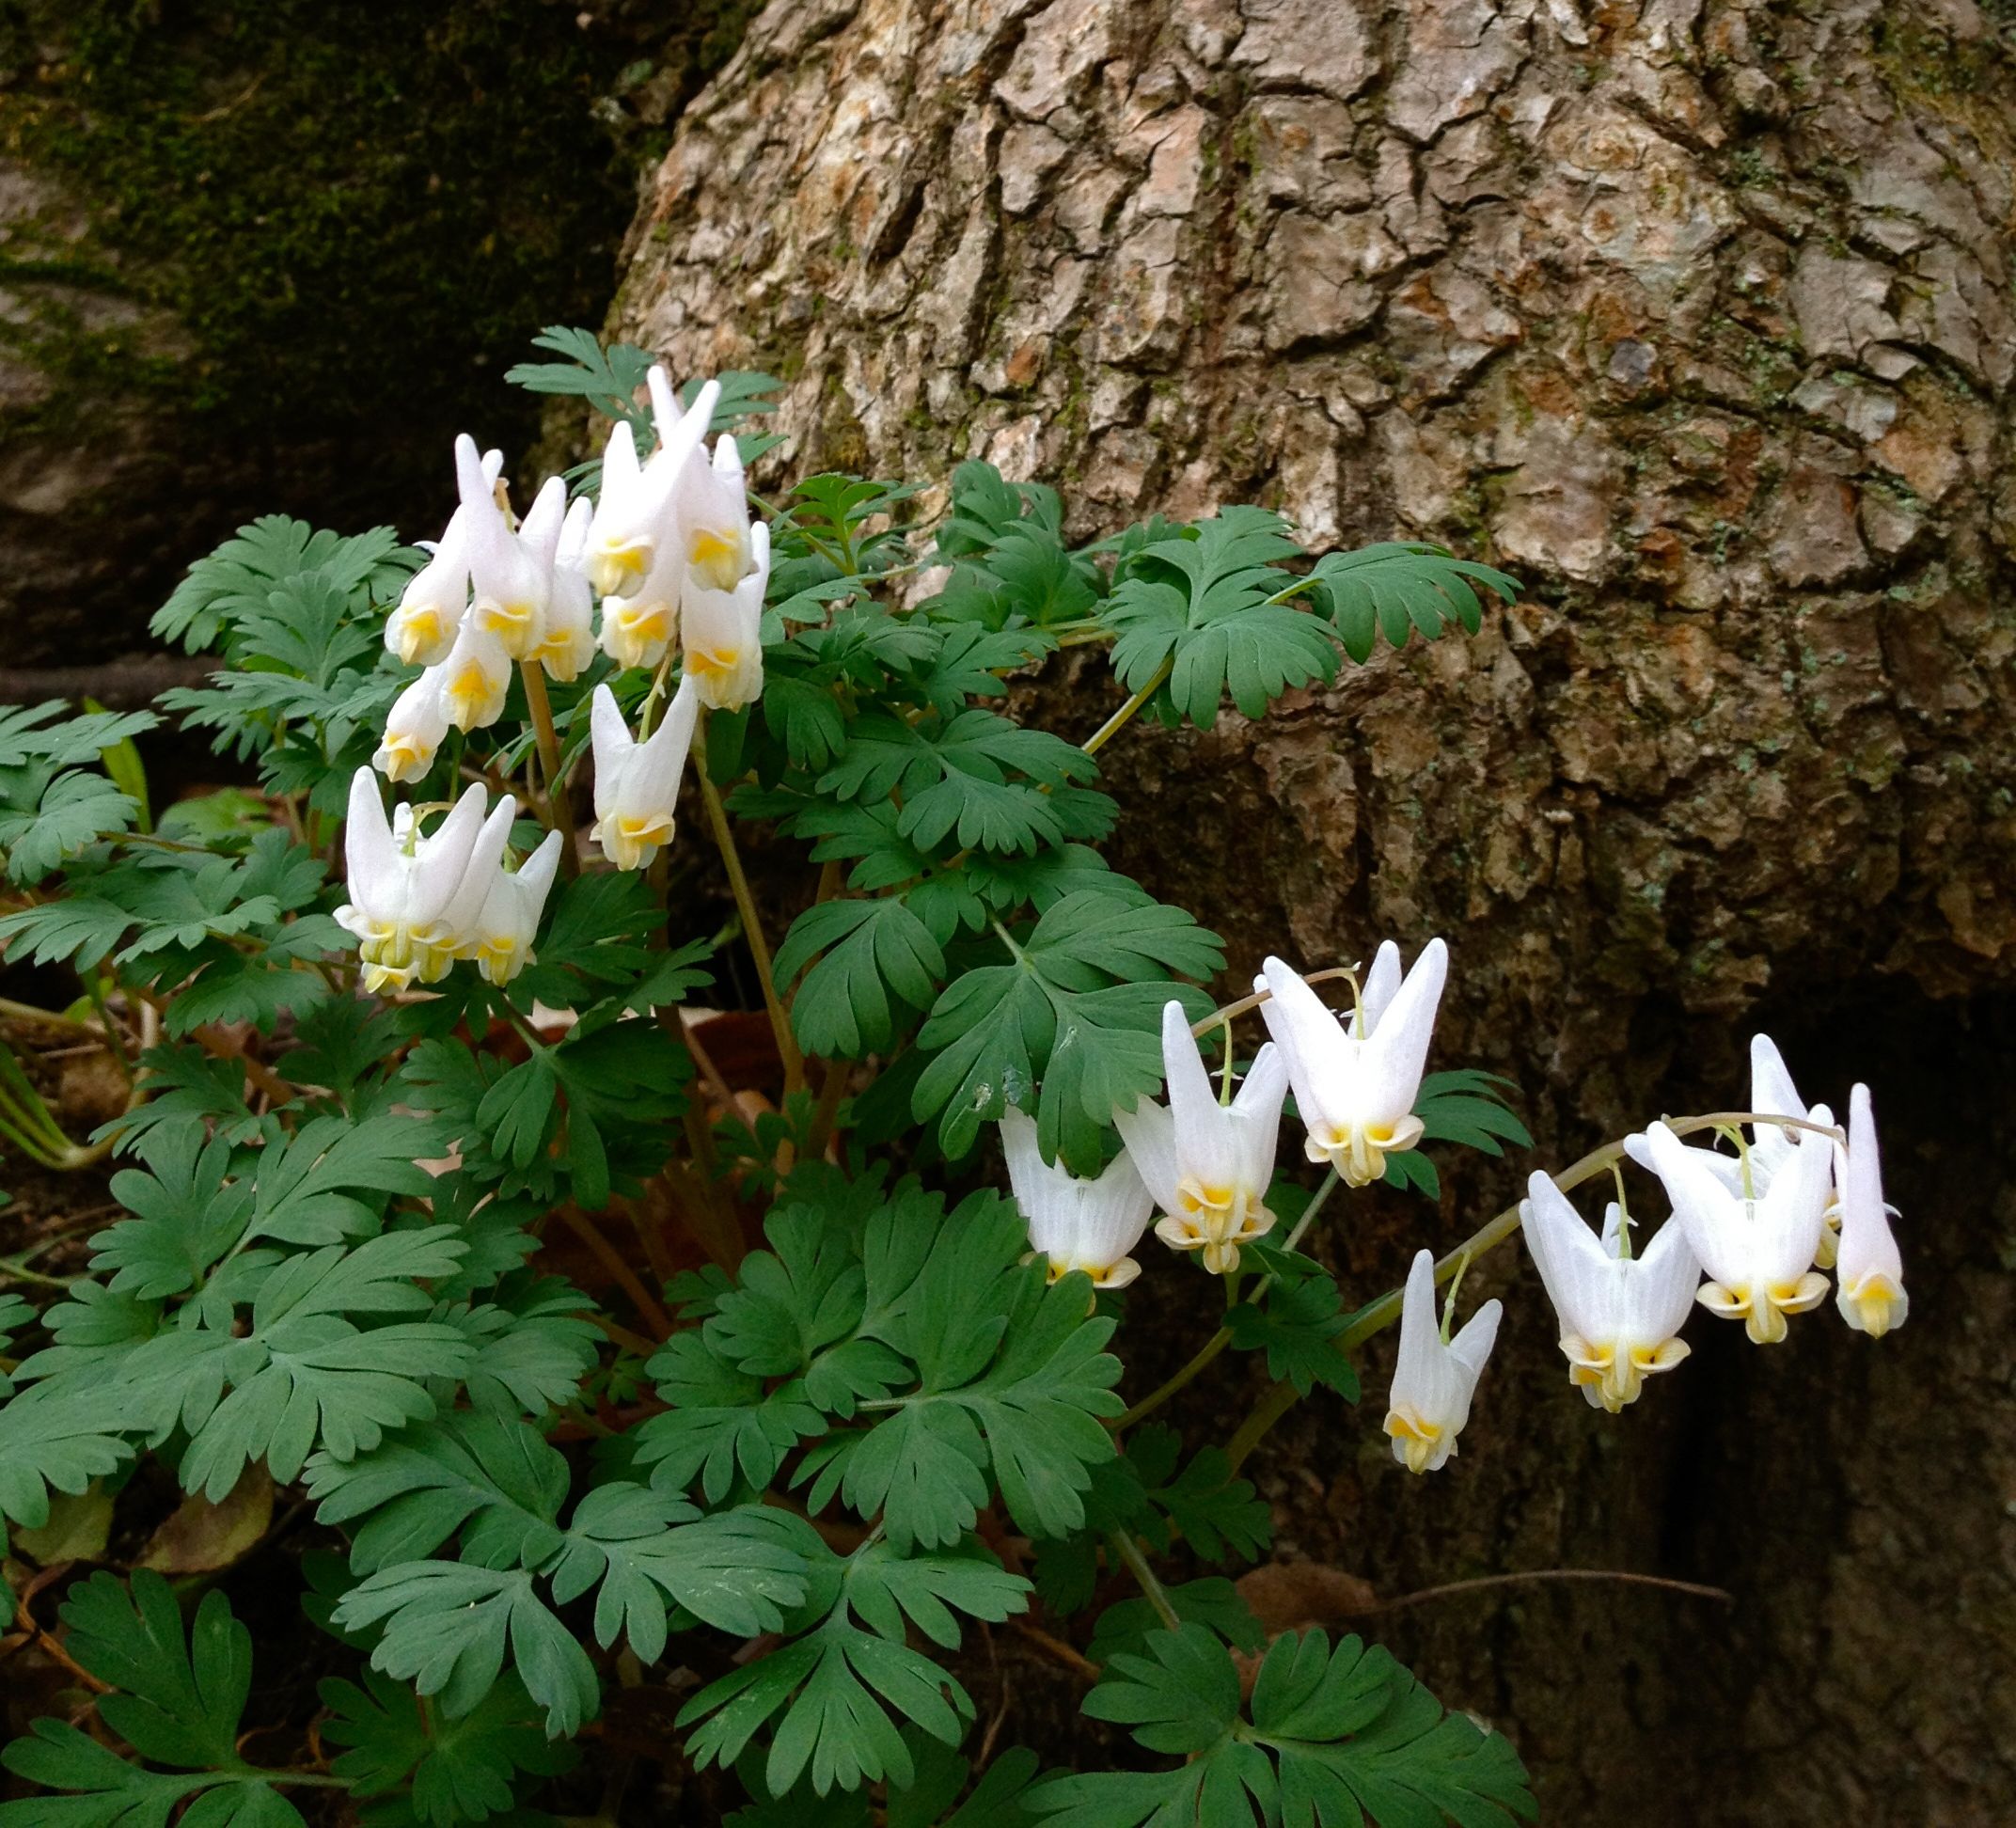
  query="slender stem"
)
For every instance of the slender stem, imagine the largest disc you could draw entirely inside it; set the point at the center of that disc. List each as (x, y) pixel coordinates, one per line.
(1229, 1010)
(1451, 1589)
(831, 1091)
(560, 814)
(1129, 1552)
(649, 1311)
(724, 837)
(1382, 1314)
(1222, 1337)
(96, 991)
(21, 1012)
(1121, 717)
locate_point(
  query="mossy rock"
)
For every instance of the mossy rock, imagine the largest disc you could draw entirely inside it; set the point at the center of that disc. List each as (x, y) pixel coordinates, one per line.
(273, 255)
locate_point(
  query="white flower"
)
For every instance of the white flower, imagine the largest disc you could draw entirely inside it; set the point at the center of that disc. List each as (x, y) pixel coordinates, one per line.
(413, 730)
(1871, 1297)
(1757, 1248)
(636, 784)
(713, 506)
(1619, 1314)
(423, 627)
(1355, 1083)
(635, 521)
(1077, 1225)
(1771, 1094)
(507, 586)
(568, 642)
(720, 631)
(474, 679)
(1435, 1379)
(412, 898)
(500, 940)
(1207, 1166)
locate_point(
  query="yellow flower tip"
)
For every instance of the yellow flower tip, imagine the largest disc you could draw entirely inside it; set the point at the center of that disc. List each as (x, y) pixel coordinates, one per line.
(404, 758)
(1418, 1438)
(1874, 1306)
(1221, 1259)
(416, 630)
(510, 622)
(715, 557)
(617, 567)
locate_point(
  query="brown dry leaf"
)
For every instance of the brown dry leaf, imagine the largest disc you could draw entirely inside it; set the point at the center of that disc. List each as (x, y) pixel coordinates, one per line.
(79, 1524)
(202, 1537)
(1299, 1595)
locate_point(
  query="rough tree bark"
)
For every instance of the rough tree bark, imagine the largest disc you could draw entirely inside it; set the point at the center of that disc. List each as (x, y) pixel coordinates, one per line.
(1692, 314)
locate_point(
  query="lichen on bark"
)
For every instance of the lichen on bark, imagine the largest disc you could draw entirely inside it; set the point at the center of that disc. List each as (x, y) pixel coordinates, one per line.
(1693, 313)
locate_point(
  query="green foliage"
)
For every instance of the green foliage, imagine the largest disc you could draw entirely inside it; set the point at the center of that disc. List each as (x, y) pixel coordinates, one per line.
(178, 1701)
(1333, 1738)
(399, 1255)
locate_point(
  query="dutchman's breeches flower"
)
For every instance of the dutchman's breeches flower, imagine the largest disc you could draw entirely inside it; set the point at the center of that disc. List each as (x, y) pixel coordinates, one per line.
(500, 940)
(412, 898)
(1208, 1165)
(1356, 1081)
(1075, 1224)
(507, 586)
(1619, 1314)
(1757, 1248)
(474, 678)
(722, 632)
(713, 508)
(1771, 1094)
(636, 784)
(413, 730)
(568, 643)
(1871, 1297)
(636, 524)
(1436, 1377)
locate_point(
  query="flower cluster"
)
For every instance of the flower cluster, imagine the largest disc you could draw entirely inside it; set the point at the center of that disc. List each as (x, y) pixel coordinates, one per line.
(1751, 1234)
(419, 901)
(680, 569)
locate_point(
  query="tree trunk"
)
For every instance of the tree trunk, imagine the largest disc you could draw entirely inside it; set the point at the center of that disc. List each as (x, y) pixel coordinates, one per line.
(1695, 316)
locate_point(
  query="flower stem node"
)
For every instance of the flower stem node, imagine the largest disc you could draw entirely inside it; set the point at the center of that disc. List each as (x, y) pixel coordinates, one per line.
(1435, 1379)
(1356, 1081)
(1208, 1165)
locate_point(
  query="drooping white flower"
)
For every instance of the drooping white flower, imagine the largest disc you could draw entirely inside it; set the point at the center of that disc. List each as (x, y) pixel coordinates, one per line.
(1208, 1166)
(568, 642)
(413, 730)
(1757, 1247)
(508, 587)
(713, 506)
(636, 784)
(474, 679)
(422, 629)
(1619, 1314)
(412, 897)
(636, 524)
(1077, 1225)
(1355, 1081)
(1436, 1377)
(500, 940)
(720, 631)
(1770, 1146)
(1871, 1296)
(430, 610)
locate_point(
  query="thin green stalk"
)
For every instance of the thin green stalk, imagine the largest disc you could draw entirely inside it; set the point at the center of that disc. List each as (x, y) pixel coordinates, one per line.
(560, 813)
(1129, 1552)
(1119, 720)
(1212, 1349)
(724, 837)
(96, 991)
